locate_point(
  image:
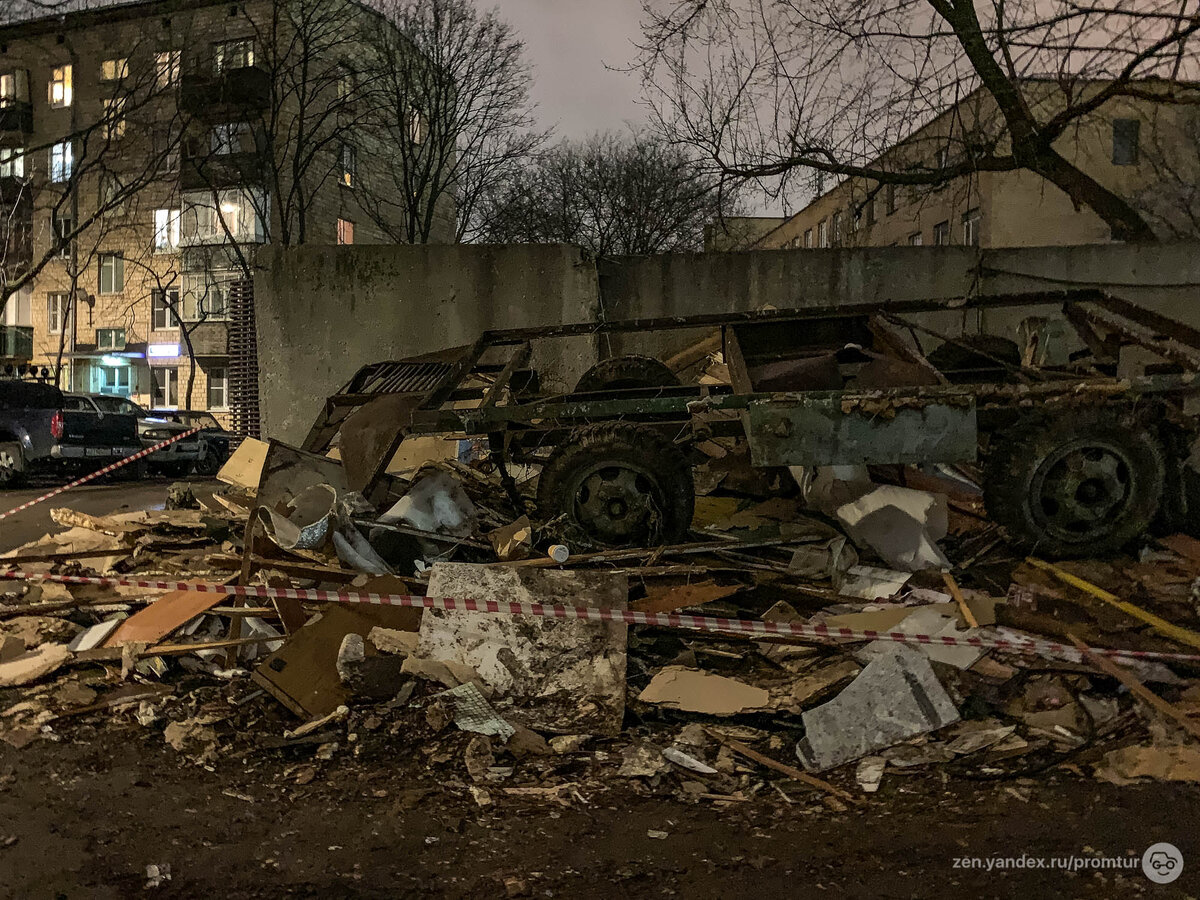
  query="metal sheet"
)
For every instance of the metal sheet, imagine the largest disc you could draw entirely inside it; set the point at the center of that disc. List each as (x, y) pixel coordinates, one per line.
(819, 432)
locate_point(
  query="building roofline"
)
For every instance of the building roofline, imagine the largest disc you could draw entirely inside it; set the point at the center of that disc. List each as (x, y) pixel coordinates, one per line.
(122, 11)
(912, 134)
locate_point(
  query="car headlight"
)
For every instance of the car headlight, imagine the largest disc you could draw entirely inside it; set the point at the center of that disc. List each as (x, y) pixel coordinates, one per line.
(158, 434)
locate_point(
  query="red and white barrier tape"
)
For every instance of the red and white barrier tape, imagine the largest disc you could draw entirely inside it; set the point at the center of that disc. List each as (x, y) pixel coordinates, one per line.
(595, 614)
(141, 454)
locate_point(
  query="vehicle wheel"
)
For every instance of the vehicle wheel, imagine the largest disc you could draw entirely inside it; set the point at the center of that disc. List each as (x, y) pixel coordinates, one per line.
(209, 463)
(176, 469)
(1081, 484)
(622, 373)
(12, 468)
(621, 485)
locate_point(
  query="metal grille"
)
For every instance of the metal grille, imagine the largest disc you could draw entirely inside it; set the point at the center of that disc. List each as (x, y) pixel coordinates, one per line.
(399, 378)
(243, 360)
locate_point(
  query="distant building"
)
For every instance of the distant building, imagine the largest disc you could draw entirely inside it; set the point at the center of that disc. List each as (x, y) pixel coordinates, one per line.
(210, 94)
(1121, 145)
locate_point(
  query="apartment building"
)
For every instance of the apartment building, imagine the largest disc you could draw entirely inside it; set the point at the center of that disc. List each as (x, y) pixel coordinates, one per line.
(1125, 145)
(147, 150)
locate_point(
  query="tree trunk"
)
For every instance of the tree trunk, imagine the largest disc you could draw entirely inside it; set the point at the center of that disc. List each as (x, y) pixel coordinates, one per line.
(1126, 222)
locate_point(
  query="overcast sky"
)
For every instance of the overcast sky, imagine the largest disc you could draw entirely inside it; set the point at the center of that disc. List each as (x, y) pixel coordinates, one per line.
(569, 43)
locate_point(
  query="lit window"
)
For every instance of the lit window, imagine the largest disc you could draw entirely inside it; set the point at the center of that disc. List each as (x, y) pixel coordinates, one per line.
(237, 54)
(114, 117)
(166, 387)
(345, 231)
(60, 86)
(110, 338)
(970, 227)
(63, 227)
(417, 128)
(14, 87)
(1125, 133)
(12, 162)
(62, 160)
(349, 165)
(166, 68)
(162, 303)
(57, 311)
(941, 234)
(114, 69)
(345, 82)
(218, 388)
(166, 230)
(112, 273)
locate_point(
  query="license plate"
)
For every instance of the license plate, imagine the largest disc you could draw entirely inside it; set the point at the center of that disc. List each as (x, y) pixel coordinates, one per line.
(96, 451)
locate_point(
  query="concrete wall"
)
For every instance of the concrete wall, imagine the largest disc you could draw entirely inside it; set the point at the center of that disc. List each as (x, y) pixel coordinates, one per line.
(325, 311)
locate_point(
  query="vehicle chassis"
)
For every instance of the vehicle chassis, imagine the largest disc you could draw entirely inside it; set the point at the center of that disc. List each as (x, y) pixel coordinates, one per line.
(488, 389)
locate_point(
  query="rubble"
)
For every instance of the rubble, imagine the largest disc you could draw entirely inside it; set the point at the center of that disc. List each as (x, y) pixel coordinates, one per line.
(930, 645)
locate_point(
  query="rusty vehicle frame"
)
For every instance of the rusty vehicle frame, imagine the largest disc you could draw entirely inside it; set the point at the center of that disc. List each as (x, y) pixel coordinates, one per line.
(489, 389)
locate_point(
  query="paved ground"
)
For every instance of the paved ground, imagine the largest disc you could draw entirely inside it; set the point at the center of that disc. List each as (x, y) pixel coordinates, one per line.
(95, 499)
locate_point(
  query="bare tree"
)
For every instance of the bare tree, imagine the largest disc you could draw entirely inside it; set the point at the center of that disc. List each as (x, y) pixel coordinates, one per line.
(776, 89)
(613, 194)
(453, 116)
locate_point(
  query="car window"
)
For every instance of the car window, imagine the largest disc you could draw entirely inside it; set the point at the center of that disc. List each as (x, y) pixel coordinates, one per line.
(76, 403)
(119, 405)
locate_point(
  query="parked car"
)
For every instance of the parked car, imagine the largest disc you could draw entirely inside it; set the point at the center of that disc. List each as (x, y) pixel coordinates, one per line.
(41, 428)
(177, 459)
(216, 443)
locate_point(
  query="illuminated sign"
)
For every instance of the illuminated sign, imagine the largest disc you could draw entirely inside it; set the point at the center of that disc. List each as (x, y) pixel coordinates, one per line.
(162, 351)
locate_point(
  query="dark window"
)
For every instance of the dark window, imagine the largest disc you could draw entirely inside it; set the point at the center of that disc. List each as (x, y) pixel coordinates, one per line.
(1125, 134)
(161, 305)
(970, 227)
(110, 338)
(889, 199)
(112, 274)
(941, 233)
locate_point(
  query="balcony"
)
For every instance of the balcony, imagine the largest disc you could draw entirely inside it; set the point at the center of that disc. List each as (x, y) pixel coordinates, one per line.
(210, 339)
(208, 170)
(16, 117)
(232, 91)
(16, 342)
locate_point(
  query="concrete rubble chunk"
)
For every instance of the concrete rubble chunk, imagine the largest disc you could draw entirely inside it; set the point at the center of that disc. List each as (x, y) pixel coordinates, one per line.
(32, 665)
(565, 675)
(896, 697)
(902, 525)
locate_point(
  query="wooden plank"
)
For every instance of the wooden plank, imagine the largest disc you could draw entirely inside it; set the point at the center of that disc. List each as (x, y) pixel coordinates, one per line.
(784, 769)
(169, 612)
(1139, 690)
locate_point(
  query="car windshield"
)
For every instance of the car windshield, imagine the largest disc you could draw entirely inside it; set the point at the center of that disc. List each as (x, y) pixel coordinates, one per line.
(119, 405)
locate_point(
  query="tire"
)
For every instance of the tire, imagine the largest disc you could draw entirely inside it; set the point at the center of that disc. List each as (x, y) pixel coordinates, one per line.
(209, 463)
(619, 485)
(623, 373)
(1084, 483)
(12, 467)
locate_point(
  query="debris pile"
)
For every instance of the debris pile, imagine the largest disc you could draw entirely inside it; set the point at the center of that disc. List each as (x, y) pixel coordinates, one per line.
(551, 708)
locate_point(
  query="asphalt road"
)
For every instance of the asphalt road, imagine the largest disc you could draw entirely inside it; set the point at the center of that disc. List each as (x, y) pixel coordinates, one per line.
(95, 499)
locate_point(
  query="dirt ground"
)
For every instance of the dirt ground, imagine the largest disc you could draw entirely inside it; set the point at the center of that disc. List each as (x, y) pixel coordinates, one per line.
(84, 818)
(87, 807)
